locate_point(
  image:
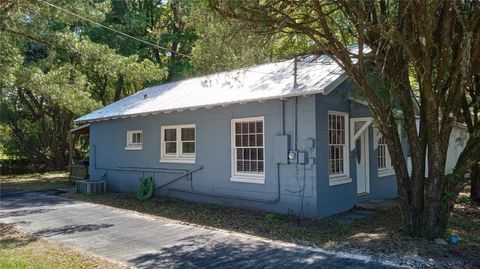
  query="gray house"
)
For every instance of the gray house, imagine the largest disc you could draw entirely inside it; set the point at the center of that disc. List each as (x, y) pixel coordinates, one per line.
(256, 137)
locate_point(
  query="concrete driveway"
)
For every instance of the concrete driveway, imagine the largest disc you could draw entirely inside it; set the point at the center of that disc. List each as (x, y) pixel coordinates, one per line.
(145, 241)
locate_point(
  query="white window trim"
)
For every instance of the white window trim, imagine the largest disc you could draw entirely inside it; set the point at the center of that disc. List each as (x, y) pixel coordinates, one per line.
(340, 181)
(345, 177)
(130, 145)
(382, 172)
(178, 157)
(246, 177)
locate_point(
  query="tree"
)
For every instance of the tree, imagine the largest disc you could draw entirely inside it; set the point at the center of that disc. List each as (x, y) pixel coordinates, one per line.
(159, 22)
(437, 41)
(51, 74)
(225, 44)
(471, 114)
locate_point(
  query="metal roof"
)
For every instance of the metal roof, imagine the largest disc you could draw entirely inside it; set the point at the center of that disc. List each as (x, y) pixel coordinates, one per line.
(315, 74)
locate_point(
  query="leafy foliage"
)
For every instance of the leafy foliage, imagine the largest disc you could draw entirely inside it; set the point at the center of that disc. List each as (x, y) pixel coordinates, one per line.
(52, 73)
(56, 66)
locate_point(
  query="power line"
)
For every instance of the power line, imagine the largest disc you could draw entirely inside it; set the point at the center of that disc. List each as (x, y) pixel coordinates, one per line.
(111, 29)
(130, 36)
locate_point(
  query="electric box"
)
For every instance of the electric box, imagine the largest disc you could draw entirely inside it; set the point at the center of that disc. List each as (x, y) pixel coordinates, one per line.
(310, 143)
(302, 157)
(280, 149)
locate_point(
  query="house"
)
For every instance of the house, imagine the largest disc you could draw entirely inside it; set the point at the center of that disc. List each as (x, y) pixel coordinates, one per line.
(256, 137)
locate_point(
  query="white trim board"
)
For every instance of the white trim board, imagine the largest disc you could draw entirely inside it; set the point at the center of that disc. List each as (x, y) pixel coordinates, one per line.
(354, 136)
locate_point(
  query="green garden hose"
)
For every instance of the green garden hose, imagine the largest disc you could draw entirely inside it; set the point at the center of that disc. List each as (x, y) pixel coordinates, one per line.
(145, 189)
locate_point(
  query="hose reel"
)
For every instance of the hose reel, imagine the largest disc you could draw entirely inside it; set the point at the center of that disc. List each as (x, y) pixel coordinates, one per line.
(145, 189)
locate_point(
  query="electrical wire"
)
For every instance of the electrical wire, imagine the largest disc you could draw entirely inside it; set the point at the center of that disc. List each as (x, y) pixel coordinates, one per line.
(130, 36)
(111, 29)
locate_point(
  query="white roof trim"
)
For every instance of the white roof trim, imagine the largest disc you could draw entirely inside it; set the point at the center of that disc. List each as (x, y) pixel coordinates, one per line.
(79, 128)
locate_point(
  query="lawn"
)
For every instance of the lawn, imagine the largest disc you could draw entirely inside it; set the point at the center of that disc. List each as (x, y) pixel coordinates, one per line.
(379, 235)
(20, 250)
(38, 181)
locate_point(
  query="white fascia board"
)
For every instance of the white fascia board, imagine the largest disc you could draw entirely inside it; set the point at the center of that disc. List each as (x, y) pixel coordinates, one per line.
(209, 106)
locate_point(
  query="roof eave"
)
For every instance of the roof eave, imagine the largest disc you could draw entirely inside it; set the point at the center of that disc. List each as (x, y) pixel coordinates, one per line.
(324, 91)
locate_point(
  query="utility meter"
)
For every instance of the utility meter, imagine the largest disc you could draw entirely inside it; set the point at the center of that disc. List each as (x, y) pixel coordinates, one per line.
(292, 156)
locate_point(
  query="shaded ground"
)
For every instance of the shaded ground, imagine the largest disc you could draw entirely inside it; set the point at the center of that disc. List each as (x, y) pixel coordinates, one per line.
(144, 241)
(378, 234)
(37, 181)
(21, 250)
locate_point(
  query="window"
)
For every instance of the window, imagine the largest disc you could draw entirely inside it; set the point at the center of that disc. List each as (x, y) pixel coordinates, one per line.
(338, 147)
(382, 153)
(248, 159)
(134, 140)
(384, 162)
(178, 143)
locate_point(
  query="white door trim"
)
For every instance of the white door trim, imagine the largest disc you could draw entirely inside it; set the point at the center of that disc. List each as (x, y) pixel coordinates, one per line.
(354, 135)
(366, 152)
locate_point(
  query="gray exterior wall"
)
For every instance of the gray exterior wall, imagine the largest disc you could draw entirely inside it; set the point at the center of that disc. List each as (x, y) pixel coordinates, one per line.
(339, 198)
(213, 152)
(304, 189)
(332, 199)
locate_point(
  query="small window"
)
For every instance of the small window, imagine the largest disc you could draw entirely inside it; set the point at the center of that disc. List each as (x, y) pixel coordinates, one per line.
(338, 159)
(382, 151)
(178, 143)
(248, 156)
(134, 140)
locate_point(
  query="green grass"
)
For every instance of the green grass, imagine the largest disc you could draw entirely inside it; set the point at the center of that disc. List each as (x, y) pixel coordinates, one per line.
(19, 250)
(37, 181)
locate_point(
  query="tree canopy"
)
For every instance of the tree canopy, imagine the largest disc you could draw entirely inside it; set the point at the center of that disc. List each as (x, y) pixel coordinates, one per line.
(62, 59)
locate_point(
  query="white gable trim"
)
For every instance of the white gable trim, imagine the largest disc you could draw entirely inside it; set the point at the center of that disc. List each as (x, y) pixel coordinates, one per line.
(334, 85)
(368, 121)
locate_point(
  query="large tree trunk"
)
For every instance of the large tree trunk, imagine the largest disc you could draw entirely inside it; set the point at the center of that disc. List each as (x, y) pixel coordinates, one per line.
(475, 184)
(118, 88)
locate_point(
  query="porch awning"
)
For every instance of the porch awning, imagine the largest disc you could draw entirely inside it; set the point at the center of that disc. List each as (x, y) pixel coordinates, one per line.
(81, 130)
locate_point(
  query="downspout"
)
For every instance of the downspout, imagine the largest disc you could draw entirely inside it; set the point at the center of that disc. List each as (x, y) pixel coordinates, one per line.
(94, 157)
(295, 85)
(295, 123)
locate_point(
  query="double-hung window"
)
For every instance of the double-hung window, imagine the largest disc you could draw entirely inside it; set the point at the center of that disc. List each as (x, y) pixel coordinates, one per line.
(384, 163)
(248, 156)
(178, 143)
(134, 140)
(338, 159)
